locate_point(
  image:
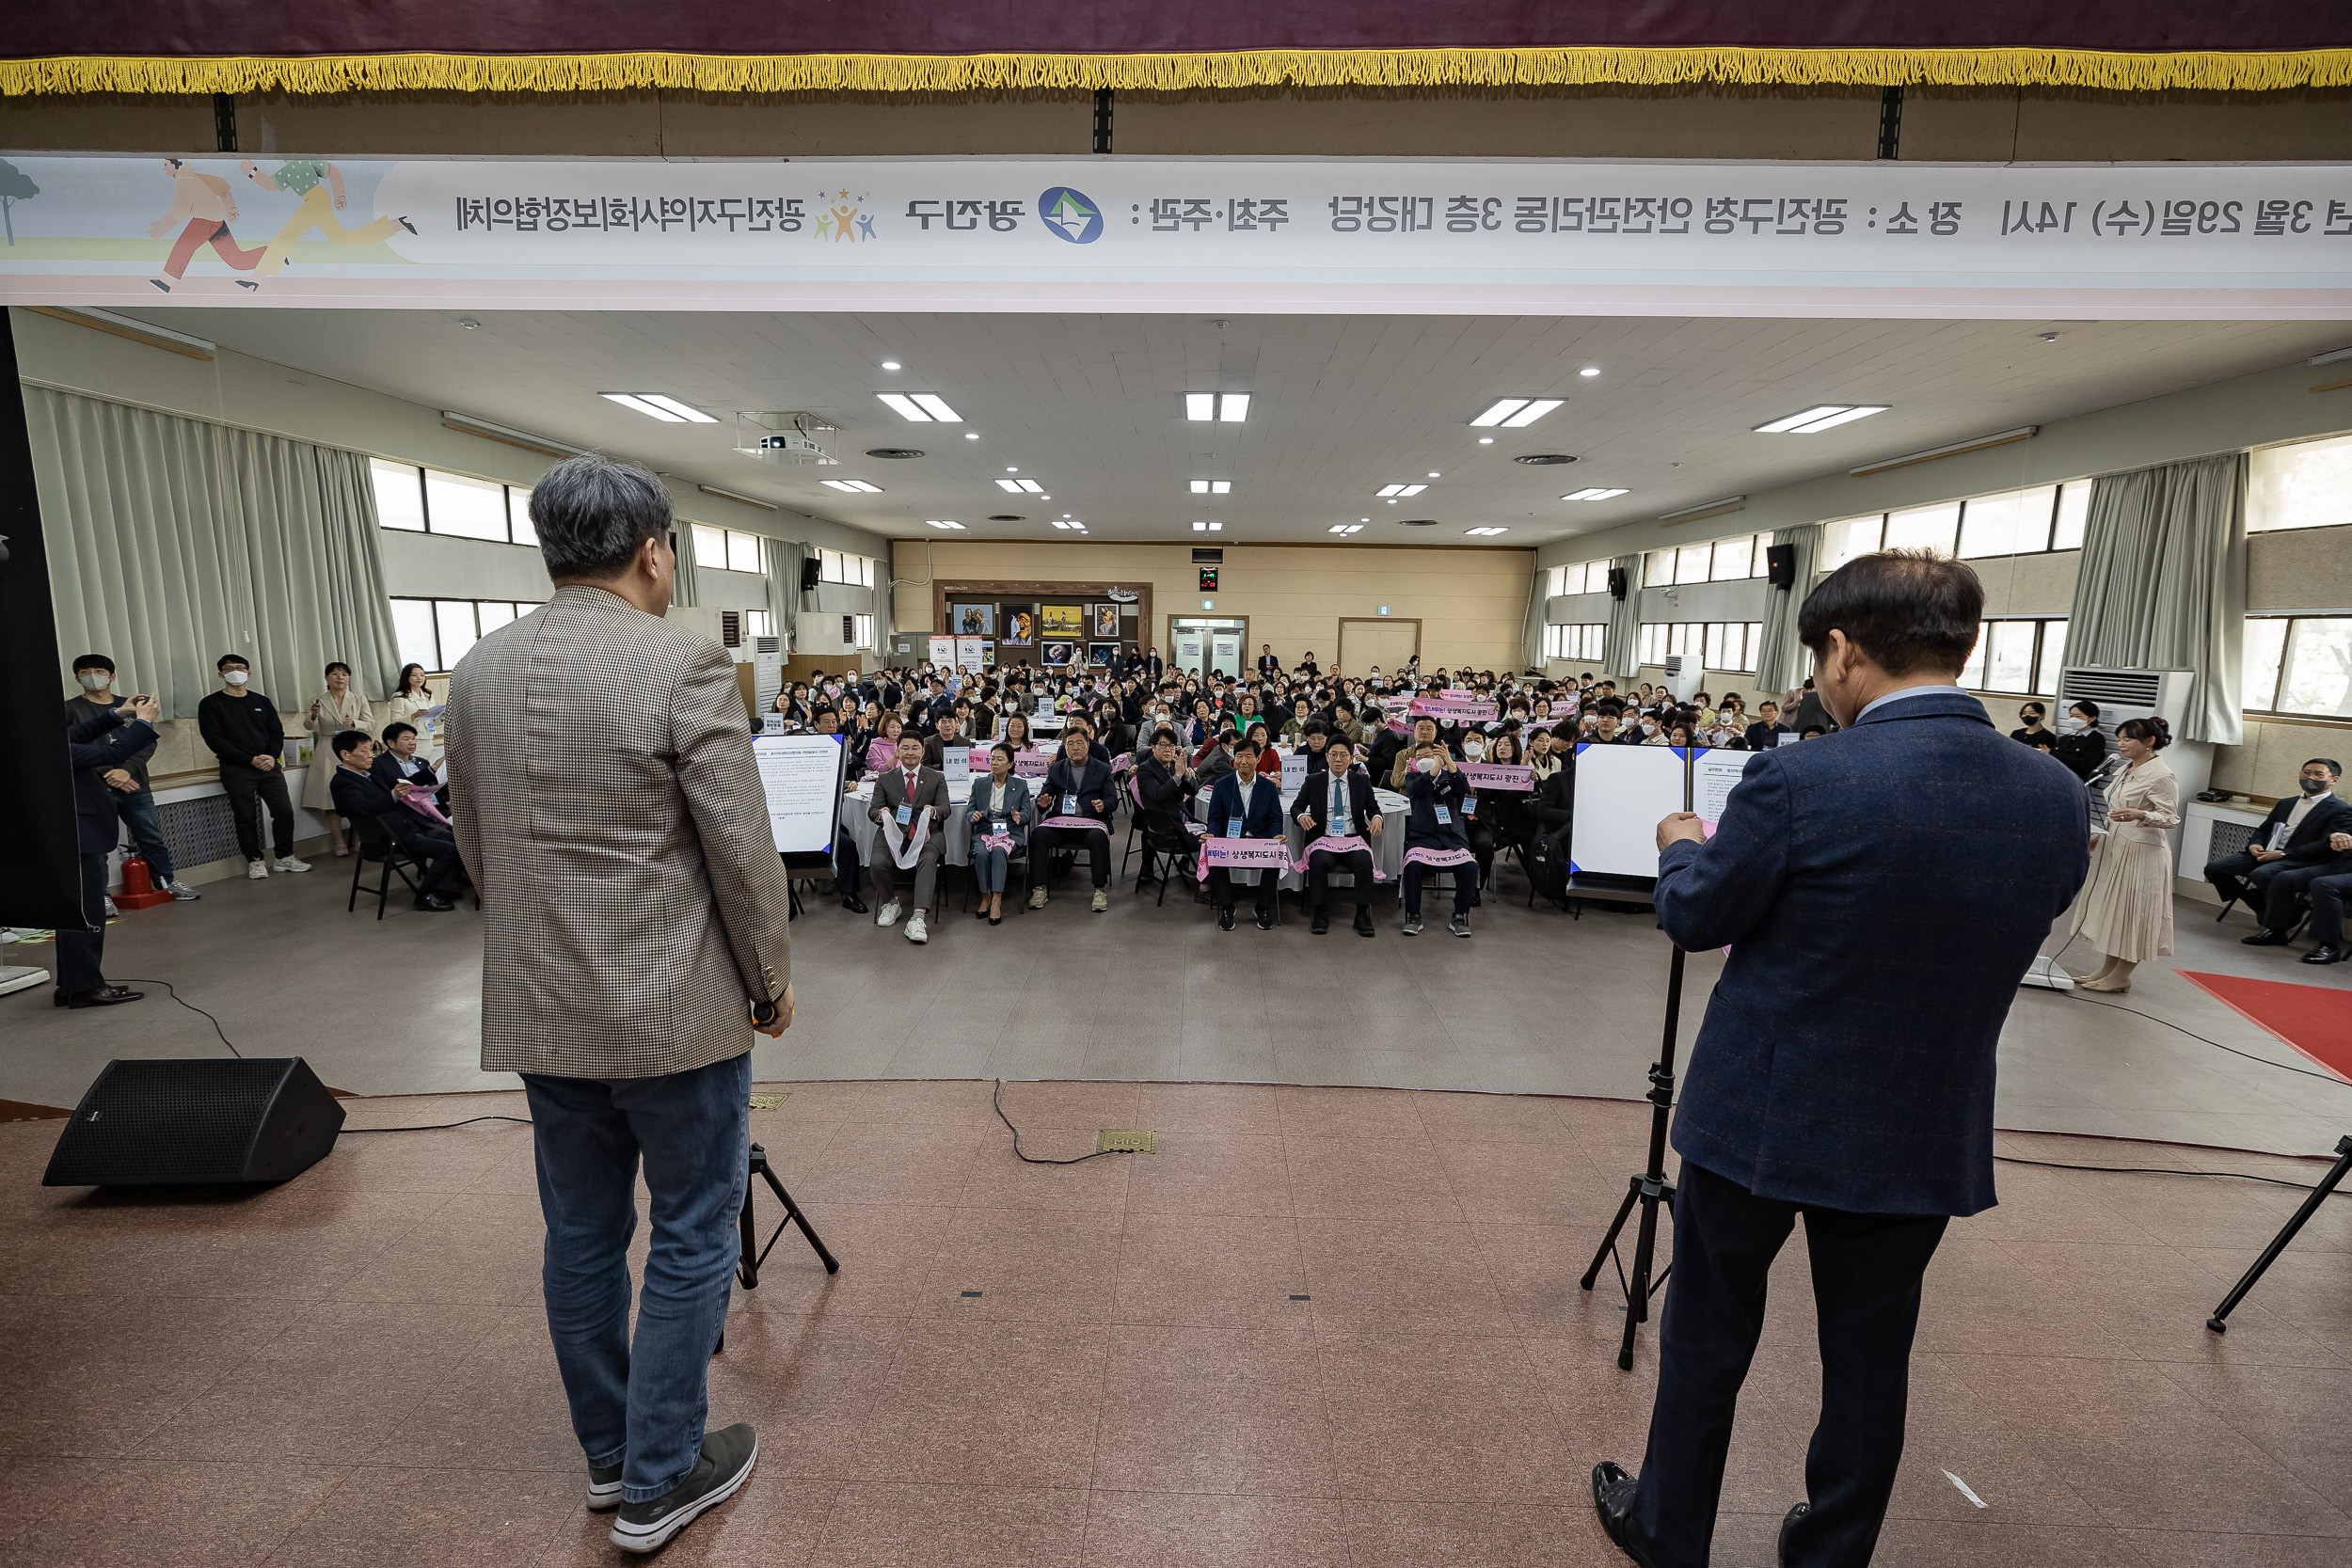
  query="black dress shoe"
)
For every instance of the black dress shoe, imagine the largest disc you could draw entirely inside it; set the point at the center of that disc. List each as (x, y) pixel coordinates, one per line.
(1225, 917)
(1363, 920)
(1788, 1524)
(1613, 1499)
(433, 902)
(854, 905)
(1266, 920)
(2324, 954)
(2265, 939)
(1322, 922)
(103, 997)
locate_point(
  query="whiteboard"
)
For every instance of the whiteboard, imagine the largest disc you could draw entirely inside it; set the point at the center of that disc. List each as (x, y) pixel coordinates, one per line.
(1621, 792)
(802, 777)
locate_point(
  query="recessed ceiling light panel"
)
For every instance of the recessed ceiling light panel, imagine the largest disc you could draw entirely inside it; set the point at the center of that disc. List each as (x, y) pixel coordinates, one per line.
(1533, 411)
(655, 406)
(1500, 410)
(944, 522)
(852, 486)
(936, 407)
(1478, 532)
(1593, 493)
(1822, 416)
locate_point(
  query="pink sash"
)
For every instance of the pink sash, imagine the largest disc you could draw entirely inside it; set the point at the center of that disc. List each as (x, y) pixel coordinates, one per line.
(997, 841)
(1421, 855)
(1498, 775)
(1245, 853)
(421, 801)
(1343, 844)
(1099, 827)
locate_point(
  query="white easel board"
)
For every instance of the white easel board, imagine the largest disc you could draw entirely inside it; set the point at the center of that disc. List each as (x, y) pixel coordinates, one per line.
(801, 775)
(1621, 793)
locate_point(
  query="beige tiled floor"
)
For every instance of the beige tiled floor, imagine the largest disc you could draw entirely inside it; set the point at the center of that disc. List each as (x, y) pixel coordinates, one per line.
(352, 1367)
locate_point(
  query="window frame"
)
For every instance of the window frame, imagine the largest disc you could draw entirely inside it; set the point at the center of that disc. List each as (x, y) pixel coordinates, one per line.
(2259, 452)
(2286, 645)
(433, 603)
(1979, 658)
(1681, 637)
(515, 503)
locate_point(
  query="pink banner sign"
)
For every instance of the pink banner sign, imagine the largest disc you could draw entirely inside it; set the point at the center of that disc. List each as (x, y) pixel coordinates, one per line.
(1343, 844)
(1076, 822)
(1239, 853)
(1029, 763)
(1460, 709)
(1498, 775)
(1423, 855)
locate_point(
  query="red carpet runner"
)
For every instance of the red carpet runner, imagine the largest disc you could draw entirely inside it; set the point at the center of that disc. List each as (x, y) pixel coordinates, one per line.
(2316, 1020)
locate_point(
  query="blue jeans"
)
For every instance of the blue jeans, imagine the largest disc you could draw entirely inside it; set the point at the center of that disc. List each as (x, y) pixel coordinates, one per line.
(137, 809)
(641, 1407)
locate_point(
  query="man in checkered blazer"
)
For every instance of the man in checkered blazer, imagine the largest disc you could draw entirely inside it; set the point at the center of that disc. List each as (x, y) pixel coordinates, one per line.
(634, 920)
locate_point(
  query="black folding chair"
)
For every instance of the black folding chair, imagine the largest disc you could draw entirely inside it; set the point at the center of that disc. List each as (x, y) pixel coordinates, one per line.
(378, 845)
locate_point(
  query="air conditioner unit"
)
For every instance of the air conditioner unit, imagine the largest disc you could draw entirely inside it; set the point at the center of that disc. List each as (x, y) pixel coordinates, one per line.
(1683, 675)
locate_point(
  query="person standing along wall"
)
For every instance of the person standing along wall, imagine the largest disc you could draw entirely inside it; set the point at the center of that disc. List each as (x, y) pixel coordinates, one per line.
(242, 729)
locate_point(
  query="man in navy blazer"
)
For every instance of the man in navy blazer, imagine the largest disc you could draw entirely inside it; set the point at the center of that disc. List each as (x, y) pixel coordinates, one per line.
(1881, 892)
(104, 740)
(1248, 798)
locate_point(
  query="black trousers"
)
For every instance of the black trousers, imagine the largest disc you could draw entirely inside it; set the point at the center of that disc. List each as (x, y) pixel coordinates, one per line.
(1866, 1289)
(1045, 841)
(244, 785)
(1322, 862)
(1221, 888)
(79, 953)
(1465, 886)
(1482, 843)
(438, 852)
(2327, 896)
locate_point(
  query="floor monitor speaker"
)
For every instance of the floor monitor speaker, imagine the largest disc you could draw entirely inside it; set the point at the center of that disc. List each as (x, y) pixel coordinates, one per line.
(207, 1120)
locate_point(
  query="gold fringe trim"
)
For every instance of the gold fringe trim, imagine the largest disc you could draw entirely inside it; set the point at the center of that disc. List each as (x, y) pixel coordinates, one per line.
(2210, 71)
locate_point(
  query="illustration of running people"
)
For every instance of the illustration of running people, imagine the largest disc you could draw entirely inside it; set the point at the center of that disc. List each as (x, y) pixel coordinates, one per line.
(315, 180)
(202, 202)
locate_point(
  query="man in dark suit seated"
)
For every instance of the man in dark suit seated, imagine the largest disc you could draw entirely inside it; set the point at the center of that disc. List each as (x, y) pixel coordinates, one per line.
(1078, 788)
(1356, 815)
(397, 762)
(2330, 892)
(1881, 892)
(1244, 804)
(1766, 732)
(359, 794)
(2287, 853)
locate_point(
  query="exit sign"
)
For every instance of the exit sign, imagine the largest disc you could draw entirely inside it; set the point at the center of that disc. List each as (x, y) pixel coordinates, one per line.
(1208, 580)
(1383, 610)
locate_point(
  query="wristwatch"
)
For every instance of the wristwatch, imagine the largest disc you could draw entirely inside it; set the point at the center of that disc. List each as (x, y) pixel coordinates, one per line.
(763, 1014)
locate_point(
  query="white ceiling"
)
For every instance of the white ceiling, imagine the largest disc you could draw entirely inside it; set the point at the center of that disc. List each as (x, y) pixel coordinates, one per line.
(1093, 405)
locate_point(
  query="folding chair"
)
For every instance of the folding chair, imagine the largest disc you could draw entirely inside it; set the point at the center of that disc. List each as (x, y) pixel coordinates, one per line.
(1166, 841)
(377, 843)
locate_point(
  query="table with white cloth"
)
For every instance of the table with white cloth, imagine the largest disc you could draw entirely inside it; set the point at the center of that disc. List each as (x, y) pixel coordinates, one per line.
(955, 835)
(1387, 850)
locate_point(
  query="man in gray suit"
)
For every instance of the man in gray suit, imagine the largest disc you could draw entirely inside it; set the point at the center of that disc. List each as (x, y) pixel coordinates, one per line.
(908, 799)
(634, 936)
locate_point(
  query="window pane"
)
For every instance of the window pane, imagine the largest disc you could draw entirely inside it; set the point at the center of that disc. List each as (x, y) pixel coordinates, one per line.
(1929, 528)
(1715, 650)
(1972, 673)
(2307, 485)
(2009, 657)
(1732, 557)
(865, 571)
(710, 547)
(2266, 646)
(412, 626)
(1691, 562)
(2073, 507)
(467, 508)
(1755, 647)
(518, 516)
(1658, 569)
(2053, 662)
(2318, 666)
(454, 619)
(493, 615)
(1849, 538)
(2008, 524)
(399, 496)
(743, 552)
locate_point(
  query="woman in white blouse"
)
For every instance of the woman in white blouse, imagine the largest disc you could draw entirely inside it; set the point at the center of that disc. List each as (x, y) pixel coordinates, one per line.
(2127, 911)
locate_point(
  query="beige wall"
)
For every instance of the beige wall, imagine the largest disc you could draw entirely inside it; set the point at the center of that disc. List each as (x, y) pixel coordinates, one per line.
(1470, 602)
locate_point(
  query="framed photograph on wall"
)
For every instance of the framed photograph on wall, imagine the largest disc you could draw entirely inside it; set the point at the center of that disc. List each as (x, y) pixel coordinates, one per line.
(1107, 621)
(1062, 620)
(1063, 654)
(1101, 655)
(971, 620)
(1020, 628)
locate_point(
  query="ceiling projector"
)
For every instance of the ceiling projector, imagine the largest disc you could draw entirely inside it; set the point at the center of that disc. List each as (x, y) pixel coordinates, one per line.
(782, 438)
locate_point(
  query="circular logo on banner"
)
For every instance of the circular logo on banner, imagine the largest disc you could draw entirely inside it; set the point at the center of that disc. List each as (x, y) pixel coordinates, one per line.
(1070, 214)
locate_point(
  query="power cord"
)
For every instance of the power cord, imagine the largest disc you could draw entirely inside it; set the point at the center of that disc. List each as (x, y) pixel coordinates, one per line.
(438, 1126)
(199, 1011)
(2283, 1067)
(995, 1101)
(2158, 1170)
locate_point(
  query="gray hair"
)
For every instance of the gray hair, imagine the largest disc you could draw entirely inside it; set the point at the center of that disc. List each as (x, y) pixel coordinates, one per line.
(591, 514)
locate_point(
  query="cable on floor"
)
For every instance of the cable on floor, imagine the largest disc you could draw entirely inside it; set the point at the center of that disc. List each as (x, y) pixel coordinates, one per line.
(2158, 1170)
(2283, 1067)
(194, 1008)
(438, 1126)
(995, 1101)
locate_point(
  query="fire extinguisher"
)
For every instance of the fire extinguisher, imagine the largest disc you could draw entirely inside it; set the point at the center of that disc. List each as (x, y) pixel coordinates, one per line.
(138, 886)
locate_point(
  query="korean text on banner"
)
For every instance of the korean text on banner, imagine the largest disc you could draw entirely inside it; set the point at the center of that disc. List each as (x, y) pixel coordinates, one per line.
(801, 775)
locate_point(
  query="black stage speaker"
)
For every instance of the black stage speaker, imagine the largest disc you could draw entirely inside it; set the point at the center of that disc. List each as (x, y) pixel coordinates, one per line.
(1616, 582)
(1780, 566)
(204, 1119)
(812, 572)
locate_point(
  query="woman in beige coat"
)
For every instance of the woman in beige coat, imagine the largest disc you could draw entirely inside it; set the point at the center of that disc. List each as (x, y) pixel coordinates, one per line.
(2127, 912)
(339, 708)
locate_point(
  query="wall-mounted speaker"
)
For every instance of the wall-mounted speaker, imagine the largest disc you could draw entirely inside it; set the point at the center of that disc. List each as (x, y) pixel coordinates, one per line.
(812, 572)
(1780, 566)
(1616, 582)
(204, 1119)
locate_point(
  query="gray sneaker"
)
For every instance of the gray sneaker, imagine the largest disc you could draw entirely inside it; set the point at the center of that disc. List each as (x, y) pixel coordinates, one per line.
(182, 891)
(604, 1487)
(726, 1463)
(1412, 924)
(1459, 926)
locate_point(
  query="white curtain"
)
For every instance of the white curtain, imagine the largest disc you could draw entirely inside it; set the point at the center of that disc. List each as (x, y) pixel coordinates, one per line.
(173, 541)
(785, 557)
(1621, 650)
(2162, 584)
(1780, 662)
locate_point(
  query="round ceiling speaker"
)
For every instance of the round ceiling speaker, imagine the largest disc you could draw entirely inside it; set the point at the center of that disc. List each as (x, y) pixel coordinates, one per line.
(1544, 459)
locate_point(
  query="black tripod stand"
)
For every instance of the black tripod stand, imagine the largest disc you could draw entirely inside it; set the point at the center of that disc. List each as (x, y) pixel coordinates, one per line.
(2219, 1322)
(1650, 1188)
(747, 1267)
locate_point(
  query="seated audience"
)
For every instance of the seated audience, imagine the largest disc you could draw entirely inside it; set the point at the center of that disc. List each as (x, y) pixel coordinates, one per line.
(1246, 804)
(1435, 789)
(2329, 893)
(949, 734)
(1001, 815)
(1340, 793)
(2286, 854)
(357, 794)
(1424, 735)
(1078, 788)
(1216, 761)
(910, 800)
(2081, 744)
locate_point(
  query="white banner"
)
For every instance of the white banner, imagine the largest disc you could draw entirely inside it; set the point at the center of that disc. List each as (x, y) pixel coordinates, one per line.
(941, 652)
(1318, 235)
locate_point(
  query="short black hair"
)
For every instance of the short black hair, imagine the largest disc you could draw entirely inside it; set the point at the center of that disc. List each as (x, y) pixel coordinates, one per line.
(2087, 707)
(93, 662)
(397, 728)
(2328, 763)
(1907, 610)
(347, 741)
(1246, 745)
(225, 660)
(1163, 733)
(1316, 726)
(592, 513)
(339, 664)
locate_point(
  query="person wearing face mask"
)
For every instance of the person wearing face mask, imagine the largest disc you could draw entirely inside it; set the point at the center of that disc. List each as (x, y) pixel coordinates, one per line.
(95, 746)
(242, 729)
(1436, 828)
(2031, 730)
(126, 783)
(2286, 853)
(1652, 732)
(2081, 744)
